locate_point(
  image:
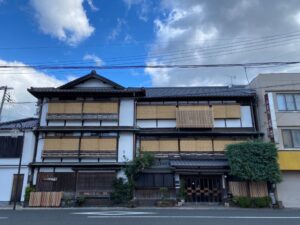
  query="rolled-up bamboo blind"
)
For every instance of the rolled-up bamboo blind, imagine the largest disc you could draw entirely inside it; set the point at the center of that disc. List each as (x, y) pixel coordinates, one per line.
(187, 145)
(56, 108)
(227, 111)
(100, 107)
(220, 145)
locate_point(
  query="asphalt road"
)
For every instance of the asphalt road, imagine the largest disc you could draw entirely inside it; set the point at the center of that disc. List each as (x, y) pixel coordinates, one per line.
(150, 216)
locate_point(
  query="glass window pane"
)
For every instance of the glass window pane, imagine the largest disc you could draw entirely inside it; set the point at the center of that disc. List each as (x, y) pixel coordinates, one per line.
(297, 100)
(281, 102)
(290, 102)
(287, 139)
(296, 138)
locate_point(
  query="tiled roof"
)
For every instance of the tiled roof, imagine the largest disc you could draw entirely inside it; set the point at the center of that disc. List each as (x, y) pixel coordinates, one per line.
(214, 91)
(199, 163)
(26, 123)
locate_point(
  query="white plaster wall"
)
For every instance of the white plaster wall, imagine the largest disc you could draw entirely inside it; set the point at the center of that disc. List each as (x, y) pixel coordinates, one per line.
(166, 123)
(126, 117)
(125, 150)
(146, 123)
(6, 179)
(40, 147)
(56, 123)
(219, 123)
(44, 113)
(73, 123)
(246, 116)
(109, 123)
(28, 147)
(92, 83)
(63, 170)
(233, 123)
(91, 123)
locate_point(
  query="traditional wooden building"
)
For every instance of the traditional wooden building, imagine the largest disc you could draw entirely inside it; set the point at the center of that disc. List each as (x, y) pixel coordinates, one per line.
(90, 127)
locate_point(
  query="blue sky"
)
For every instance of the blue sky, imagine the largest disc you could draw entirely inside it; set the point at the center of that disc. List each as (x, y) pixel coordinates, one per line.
(119, 32)
(150, 32)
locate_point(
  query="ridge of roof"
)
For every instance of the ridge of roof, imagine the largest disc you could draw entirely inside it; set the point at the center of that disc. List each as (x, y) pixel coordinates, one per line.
(92, 75)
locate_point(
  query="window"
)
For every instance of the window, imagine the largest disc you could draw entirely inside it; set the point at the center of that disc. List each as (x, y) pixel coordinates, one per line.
(150, 180)
(288, 102)
(11, 147)
(291, 138)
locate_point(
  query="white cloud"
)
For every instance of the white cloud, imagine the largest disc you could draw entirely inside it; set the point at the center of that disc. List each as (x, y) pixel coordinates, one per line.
(63, 19)
(92, 57)
(20, 79)
(117, 30)
(143, 9)
(214, 32)
(92, 6)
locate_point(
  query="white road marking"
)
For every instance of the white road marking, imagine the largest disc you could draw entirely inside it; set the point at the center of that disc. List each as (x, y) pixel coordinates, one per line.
(114, 213)
(199, 217)
(1, 218)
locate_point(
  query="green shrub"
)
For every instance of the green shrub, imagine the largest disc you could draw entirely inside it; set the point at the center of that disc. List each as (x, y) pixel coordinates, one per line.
(80, 200)
(122, 191)
(244, 202)
(28, 190)
(247, 202)
(261, 202)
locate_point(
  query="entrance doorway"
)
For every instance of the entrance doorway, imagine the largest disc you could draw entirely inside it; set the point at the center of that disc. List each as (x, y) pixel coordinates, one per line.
(203, 188)
(17, 184)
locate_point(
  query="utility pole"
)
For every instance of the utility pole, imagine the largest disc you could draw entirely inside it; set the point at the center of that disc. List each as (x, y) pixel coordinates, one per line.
(4, 88)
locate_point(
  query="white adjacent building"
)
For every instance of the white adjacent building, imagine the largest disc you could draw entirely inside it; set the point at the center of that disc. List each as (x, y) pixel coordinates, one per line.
(17, 141)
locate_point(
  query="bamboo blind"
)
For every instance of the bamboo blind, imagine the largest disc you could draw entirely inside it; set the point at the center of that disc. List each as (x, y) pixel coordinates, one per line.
(73, 107)
(227, 111)
(258, 189)
(45, 199)
(238, 189)
(220, 145)
(56, 108)
(195, 118)
(195, 145)
(64, 144)
(170, 145)
(156, 112)
(101, 107)
(98, 144)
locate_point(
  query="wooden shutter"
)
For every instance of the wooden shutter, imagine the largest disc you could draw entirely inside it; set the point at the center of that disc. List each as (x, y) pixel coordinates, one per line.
(219, 111)
(89, 107)
(56, 108)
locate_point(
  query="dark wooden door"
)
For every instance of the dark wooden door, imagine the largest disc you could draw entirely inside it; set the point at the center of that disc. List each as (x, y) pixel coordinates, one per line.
(17, 186)
(203, 188)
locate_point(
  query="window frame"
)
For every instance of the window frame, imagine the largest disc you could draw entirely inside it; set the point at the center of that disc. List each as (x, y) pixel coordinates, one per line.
(291, 136)
(296, 109)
